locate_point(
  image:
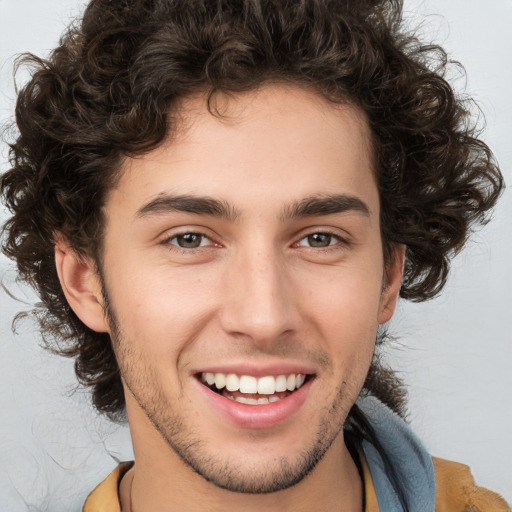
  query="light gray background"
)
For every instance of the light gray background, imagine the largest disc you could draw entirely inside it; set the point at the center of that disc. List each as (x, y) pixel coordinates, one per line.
(454, 352)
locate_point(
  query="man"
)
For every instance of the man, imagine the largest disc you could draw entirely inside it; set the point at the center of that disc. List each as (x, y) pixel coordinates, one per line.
(230, 198)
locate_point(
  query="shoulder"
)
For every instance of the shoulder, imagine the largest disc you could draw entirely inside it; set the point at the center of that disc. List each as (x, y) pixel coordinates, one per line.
(456, 490)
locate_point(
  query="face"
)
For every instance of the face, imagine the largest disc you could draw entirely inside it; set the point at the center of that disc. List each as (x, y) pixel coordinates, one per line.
(244, 272)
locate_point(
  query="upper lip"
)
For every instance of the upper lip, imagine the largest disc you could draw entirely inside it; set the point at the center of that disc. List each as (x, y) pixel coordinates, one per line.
(274, 369)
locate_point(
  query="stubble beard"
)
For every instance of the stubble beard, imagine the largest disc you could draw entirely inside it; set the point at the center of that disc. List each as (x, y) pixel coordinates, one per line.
(233, 475)
(238, 476)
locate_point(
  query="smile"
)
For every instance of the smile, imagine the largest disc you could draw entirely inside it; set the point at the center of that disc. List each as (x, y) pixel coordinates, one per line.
(250, 390)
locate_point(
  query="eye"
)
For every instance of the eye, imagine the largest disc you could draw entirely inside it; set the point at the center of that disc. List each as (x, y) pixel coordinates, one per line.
(189, 240)
(319, 240)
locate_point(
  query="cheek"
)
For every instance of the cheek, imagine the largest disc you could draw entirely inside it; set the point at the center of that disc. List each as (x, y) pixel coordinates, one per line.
(344, 309)
(159, 309)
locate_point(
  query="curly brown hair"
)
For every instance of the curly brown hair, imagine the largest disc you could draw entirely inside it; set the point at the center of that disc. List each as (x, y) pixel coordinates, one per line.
(109, 88)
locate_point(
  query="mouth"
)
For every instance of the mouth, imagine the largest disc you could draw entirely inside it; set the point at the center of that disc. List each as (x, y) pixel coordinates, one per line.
(251, 390)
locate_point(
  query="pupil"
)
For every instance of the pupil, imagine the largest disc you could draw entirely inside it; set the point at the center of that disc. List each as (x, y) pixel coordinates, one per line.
(189, 241)
(319, 240)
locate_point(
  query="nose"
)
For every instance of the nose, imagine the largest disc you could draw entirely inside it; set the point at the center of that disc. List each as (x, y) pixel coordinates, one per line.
(259, 302)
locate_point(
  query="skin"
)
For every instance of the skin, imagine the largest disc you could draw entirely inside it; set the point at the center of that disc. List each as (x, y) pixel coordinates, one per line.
(267, 287)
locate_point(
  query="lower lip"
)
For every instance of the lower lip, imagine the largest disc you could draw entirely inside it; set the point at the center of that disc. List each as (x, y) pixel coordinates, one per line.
(257, 416)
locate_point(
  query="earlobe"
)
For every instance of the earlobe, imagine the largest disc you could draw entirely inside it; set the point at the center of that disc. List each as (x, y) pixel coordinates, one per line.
(81, 285)
(394, 273)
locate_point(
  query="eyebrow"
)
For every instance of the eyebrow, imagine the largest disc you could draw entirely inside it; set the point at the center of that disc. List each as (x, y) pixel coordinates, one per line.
(189, 204)
(325, 205)
(307, 207)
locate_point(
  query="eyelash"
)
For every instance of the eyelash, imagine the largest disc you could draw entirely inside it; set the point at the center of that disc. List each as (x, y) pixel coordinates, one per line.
(168, 241)
(338, 240)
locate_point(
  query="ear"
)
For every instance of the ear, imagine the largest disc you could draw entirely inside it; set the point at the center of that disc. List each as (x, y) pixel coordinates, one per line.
(393, 282)
(81, 285)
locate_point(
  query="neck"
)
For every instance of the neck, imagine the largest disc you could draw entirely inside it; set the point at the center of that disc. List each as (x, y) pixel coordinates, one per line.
(161, 482)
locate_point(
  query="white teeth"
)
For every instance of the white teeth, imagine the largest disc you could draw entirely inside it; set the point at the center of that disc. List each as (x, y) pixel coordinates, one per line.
(254, 401)
(232, 382)
(246, 401)
(248, 384)
(220, 380)
(291, 381)
(280, 383)
(267, 385)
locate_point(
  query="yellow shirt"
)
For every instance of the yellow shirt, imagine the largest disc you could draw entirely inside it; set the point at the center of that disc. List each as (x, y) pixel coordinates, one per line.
(455, 491)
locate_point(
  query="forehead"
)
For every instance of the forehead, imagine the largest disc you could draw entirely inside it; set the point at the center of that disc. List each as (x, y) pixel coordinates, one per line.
(292, 112)
(276, 142)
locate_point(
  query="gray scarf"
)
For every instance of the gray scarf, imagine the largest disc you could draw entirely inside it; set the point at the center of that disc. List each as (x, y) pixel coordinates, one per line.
(405, 452)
